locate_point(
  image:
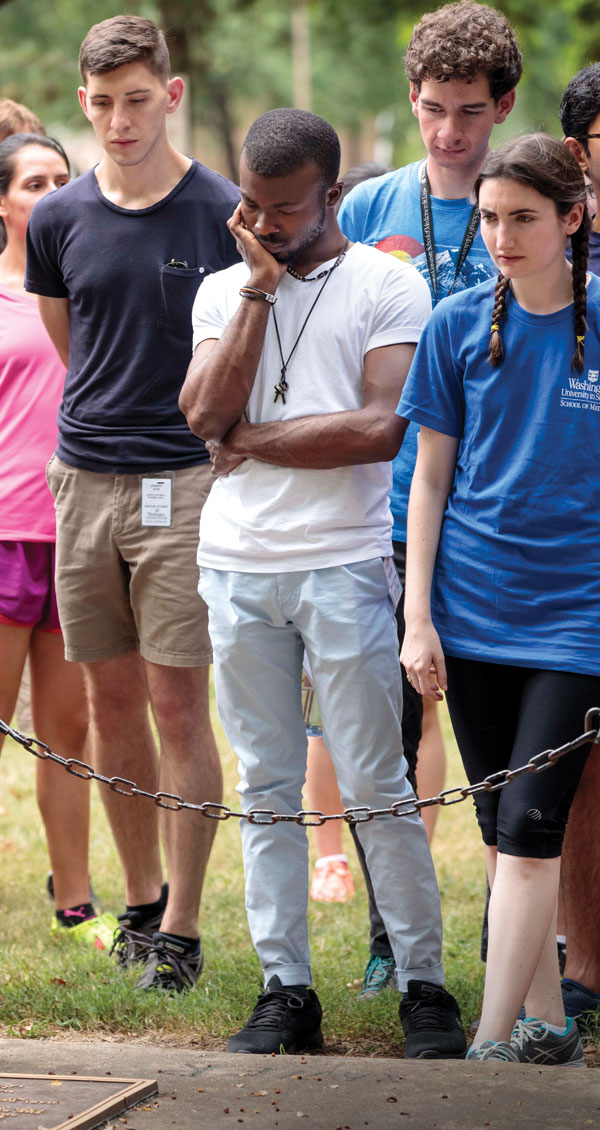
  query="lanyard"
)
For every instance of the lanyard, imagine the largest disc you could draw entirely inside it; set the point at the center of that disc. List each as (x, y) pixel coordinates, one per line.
(428, 236)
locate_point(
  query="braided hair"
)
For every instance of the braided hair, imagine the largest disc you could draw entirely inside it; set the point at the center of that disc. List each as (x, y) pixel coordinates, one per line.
(542, 162)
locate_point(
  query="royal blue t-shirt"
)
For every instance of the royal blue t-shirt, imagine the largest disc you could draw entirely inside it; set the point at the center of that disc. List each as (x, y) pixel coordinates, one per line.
(385, 212)
(130, 313)
(517, 573)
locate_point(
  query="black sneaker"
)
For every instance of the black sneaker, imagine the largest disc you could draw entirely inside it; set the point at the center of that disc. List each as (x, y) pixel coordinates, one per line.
(171, 966)
(431, 1021)
(133, 940)
(287, 1018)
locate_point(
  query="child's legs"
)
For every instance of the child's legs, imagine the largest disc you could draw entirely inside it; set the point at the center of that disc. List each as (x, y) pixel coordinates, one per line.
(60, 717)
(322, 792)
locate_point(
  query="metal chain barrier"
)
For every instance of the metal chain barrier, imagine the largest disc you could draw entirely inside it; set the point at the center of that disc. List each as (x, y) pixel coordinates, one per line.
(305, 818)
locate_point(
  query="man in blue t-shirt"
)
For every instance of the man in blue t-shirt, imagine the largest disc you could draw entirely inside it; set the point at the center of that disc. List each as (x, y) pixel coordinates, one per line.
(422, 213)
(116, 259)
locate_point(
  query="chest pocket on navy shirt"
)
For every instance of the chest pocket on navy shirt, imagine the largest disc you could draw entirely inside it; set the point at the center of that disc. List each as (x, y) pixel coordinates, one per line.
(178, 289)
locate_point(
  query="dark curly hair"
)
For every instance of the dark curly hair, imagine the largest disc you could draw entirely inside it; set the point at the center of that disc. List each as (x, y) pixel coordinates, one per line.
(544, 163)
(463, 41)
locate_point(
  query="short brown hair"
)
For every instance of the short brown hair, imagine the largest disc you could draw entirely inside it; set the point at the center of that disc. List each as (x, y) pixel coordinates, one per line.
(121, 40)
(463, 41)
(15, 118)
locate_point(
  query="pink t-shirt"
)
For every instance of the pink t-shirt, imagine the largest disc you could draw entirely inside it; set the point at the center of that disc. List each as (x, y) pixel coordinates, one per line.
(31, 384)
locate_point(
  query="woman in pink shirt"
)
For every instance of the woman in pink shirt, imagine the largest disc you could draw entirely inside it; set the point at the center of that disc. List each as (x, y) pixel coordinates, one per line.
(31, 382)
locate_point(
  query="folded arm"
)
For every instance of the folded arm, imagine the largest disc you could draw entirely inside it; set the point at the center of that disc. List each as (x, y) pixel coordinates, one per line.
(370, 434)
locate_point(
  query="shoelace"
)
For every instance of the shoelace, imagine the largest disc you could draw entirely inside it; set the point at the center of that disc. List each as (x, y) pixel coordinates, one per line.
(426, 1014)
(526, 1029)
(172, 968)
(375, 973)
(272, 1007)
(501, 1051)
(126, 940)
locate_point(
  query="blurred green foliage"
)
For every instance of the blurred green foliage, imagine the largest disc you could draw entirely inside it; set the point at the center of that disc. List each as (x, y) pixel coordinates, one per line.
(237, 54)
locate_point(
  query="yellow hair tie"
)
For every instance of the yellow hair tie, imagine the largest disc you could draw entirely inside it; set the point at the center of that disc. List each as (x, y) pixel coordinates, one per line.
(495, 328)
(580, 339)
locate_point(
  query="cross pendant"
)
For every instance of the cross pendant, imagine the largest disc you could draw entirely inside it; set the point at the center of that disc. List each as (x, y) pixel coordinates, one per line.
(281, 388)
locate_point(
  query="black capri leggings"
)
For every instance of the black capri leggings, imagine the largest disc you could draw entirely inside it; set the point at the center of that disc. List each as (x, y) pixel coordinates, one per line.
(502, 716)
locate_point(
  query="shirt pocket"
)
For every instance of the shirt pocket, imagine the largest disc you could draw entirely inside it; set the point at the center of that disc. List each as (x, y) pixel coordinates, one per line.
(178, 289)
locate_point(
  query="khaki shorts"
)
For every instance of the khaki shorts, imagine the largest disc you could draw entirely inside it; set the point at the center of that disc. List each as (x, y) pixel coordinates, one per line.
(122, 586)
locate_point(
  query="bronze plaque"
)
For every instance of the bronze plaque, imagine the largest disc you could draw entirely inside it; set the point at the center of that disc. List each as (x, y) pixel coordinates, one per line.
(55, 1102)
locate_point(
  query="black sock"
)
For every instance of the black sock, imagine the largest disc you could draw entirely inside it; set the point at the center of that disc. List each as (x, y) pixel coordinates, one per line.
(192, 945)
(151, 909)
(73, 915)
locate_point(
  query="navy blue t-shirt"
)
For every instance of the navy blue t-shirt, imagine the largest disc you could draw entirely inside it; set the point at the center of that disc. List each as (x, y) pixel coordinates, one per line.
(130, 311)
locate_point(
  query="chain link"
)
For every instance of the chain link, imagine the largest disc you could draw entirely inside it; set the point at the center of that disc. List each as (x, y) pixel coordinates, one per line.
(359, 814)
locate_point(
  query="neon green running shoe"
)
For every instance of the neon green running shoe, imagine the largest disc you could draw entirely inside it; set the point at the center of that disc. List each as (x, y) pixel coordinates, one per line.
(98, 932)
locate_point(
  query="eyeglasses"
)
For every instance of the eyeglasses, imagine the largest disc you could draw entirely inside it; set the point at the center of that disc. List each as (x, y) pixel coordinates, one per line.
(589, 135)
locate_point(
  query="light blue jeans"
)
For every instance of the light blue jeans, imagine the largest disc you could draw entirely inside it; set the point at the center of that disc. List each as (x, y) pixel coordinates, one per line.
(260, 624)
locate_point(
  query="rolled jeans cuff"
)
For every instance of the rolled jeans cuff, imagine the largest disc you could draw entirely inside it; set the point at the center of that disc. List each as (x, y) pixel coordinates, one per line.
(289, 974)
(432, 973)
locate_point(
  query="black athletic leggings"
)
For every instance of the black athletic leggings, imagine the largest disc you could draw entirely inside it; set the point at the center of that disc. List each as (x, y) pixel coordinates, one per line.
(502, 716)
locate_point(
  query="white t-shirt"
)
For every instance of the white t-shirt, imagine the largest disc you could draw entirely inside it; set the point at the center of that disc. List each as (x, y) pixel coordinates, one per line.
(262, 518)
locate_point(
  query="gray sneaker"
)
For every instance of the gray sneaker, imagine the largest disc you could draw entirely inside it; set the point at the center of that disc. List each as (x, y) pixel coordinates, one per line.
(493, 1049)
(533, 1042)
(170, 966)
(133, 939)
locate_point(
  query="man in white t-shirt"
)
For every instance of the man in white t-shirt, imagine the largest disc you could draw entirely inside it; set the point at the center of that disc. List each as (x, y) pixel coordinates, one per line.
(300, 354)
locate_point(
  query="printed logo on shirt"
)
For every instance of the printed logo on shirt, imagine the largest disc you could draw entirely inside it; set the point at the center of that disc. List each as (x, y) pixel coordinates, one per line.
(409, 250)
(582, 393)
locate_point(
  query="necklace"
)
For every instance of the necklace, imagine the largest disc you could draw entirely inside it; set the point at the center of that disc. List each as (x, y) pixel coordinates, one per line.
(309, 278)
(283, 386)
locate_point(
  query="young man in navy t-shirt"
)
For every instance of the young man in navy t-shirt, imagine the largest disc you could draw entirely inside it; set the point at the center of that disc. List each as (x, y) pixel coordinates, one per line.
(116, 259)
(463, 63)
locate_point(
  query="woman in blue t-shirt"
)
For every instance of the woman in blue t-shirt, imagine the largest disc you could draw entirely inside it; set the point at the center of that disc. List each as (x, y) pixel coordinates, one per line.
(504, 559)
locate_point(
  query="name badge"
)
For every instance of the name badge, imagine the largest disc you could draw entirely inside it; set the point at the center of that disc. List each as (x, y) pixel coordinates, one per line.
(157, 497)
(394, 586)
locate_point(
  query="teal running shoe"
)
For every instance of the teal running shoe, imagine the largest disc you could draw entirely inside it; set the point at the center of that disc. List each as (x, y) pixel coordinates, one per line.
(379, 975)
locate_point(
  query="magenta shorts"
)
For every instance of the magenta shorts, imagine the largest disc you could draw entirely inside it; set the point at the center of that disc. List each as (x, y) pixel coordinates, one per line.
(27, 596)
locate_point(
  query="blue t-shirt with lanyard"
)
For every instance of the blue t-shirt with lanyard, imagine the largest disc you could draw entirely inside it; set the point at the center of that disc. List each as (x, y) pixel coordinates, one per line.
(517, 573)
(386, 212)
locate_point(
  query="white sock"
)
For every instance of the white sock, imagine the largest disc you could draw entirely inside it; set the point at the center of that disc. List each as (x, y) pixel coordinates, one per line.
(339, 858)
(559, 1031)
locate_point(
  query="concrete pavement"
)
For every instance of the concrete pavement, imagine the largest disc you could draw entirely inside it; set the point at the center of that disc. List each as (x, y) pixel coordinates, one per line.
(198, 1089)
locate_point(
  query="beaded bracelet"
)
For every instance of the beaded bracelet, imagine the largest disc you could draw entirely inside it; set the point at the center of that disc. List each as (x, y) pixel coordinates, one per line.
(254, 292)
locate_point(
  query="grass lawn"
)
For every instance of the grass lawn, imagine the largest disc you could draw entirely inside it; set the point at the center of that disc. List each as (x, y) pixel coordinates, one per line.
(49, 987)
